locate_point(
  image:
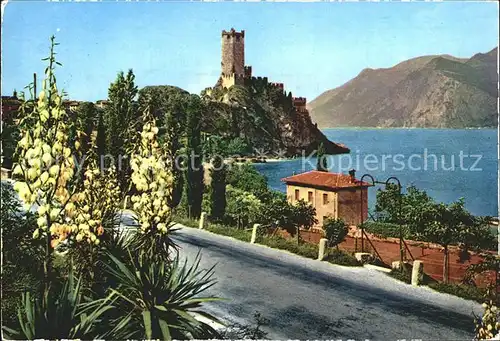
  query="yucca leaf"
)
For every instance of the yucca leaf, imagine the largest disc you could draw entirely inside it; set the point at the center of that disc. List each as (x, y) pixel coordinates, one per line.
(165, 330)
(148, 328)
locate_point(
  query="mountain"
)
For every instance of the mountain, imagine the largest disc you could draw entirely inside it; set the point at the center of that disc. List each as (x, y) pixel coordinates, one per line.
(429, 91)
(257, 113)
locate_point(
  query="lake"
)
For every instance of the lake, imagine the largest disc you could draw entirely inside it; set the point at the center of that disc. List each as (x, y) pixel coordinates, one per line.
(447, 163)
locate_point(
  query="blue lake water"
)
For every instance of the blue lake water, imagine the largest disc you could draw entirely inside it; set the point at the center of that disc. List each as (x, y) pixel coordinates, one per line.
(447, 163)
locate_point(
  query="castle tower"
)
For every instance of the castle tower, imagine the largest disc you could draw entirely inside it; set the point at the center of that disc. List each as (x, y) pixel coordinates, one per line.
(233, 58)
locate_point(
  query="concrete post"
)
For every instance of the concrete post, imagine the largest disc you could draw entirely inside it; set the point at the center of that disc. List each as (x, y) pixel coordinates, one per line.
(322, 248)
(203, 220)
(254, 233)
(125, 202)
(417, 273)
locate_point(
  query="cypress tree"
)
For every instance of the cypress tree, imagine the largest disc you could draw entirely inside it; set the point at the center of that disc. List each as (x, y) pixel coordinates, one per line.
(194, 171)
(321, 162)
(100, 139)
(121, 120)
(218, 188)
(173, 132)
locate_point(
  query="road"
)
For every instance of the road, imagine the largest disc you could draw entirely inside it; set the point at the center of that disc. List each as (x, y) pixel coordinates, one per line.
(308, 299)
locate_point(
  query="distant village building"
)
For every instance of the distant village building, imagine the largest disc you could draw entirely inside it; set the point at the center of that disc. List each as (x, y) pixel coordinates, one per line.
(331, 194)
(71, 105)
(10, 106)
(101, 103)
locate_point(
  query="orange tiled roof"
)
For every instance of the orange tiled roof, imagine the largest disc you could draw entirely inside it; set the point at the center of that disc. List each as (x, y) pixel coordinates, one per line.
(324, 179)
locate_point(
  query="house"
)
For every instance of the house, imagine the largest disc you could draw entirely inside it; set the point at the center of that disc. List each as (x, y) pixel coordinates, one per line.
(332, 194)
(101, 103)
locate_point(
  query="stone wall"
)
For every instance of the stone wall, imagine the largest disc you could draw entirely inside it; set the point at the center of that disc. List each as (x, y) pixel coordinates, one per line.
(350, 203)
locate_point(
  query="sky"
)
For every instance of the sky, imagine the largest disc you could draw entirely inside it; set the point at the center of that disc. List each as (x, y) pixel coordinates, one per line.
(310, 47)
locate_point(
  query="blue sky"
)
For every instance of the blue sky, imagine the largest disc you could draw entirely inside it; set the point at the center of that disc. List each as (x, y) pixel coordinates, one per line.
(311, 47)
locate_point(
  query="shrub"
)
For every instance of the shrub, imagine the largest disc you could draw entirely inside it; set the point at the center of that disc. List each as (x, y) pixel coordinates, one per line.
(335, 231)
(277, 242)
(383, 230)
(57, 314)
(340, 257)
(153, 300)
(467, 292)
(488, 326)
(236, 233)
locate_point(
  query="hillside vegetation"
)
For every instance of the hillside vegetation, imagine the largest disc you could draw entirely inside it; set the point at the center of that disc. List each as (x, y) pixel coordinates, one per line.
(258, 116)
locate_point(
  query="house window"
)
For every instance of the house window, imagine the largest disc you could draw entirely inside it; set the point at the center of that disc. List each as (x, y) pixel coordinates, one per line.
(310, 196)
(325, 198)
(297, 195)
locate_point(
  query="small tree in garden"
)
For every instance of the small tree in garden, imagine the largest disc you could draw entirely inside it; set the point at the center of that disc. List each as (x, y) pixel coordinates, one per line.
(444, 225)
(303, 215)
(335, 231)
(388, 203)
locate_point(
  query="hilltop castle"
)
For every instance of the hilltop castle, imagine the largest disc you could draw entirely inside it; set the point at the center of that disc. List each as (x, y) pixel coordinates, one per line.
(235, 72)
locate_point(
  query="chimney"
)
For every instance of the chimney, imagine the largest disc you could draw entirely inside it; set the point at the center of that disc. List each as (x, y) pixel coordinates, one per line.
(352, 173)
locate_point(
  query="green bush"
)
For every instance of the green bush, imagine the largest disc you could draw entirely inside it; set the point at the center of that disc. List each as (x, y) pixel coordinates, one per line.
(468, 292)
(402, 275)
(277, 242)
(240, 234)
(340, 257)
(384, 230)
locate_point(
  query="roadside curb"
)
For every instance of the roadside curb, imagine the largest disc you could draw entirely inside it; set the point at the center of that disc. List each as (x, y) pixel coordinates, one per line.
(377, 268)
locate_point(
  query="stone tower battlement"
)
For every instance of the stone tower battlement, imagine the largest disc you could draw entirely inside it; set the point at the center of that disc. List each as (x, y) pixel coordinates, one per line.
(233, 55)
(248, 71)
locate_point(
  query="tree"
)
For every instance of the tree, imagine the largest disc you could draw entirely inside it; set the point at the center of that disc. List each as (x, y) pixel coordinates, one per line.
(218, 189)
(303, 215)
(389, 202)
(444, 224)
(172, 142)
(100, 139)
(244, 207)
(194, 171)
(86, 119)
(322, 161)
(9, 137)
(335, 231)
(121, 120)
(246, 177)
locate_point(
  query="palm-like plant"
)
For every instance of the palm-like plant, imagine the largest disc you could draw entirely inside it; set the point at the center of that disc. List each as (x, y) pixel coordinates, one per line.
(157, 300)
(57, 314)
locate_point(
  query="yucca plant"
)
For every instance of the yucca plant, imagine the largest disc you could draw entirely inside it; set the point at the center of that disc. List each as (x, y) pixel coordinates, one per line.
(157, 300)
(57, 314)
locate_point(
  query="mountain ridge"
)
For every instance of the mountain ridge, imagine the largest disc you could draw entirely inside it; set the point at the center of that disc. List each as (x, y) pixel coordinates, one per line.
(439, 91)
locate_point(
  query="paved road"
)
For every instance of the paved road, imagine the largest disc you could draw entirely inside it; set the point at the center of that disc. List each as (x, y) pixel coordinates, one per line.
(307, 299)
